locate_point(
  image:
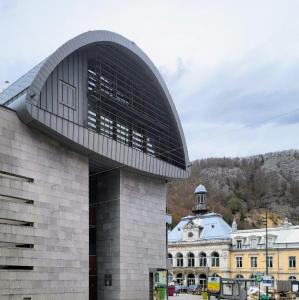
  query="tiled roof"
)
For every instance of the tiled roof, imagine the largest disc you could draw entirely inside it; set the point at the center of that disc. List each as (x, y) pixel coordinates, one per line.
(289, 234)
(214, 227)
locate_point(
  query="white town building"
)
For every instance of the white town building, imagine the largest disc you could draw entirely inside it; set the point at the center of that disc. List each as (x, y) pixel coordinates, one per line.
(199, 245)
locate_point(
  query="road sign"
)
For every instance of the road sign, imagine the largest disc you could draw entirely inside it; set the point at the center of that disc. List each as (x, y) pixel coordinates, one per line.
(268, 281)
(258, 278)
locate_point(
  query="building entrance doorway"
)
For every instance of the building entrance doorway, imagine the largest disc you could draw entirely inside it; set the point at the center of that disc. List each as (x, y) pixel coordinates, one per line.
(180, 279)
(202, 281)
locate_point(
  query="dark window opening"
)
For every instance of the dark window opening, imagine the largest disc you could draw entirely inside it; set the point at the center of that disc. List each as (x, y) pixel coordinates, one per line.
(15, 245)
(16, 222)
(16, 268)
(92, 241)
(29, 246)
(16, 176)
(15, 199)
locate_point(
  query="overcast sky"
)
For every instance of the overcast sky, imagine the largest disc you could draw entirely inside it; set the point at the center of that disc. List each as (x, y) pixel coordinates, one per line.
(232, 67)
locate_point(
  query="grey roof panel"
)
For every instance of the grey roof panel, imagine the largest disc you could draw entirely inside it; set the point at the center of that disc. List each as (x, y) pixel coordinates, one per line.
(21, 84)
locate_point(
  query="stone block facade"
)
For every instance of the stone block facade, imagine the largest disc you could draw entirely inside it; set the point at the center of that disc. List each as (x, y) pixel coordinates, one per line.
(43, 215)
(44, 206)
(130, 227)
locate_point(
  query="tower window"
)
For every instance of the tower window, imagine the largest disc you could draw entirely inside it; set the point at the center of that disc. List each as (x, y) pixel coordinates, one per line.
(202, 199)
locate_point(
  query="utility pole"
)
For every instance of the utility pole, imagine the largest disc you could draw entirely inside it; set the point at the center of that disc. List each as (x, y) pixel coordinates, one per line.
(266, 248)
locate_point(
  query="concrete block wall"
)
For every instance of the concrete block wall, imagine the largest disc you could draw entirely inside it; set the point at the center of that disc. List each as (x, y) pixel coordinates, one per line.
(142, 232)
(131, 233)
(59, 213)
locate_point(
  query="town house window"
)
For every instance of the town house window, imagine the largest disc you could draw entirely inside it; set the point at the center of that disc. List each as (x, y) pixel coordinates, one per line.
(190, 259)
(179, 260)
(215, 259)
(253, 262)
(292, 261)
(170, 259)
(270, 261)
(239, 262)
(253, 243)
(180, 279)
(239, 244)
(202, 259)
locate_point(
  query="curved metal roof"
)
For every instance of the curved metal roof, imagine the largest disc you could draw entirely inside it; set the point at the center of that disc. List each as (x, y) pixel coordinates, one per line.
(25, 92)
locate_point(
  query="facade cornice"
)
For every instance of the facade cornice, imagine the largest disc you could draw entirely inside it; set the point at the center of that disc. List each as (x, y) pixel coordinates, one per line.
(199, 243)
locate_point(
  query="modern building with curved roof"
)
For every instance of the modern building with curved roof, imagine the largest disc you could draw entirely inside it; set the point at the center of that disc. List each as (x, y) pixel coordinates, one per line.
(101, 93)
(90, 136)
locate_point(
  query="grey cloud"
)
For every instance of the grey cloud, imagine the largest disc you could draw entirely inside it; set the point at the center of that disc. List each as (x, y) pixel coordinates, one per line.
(254, 97)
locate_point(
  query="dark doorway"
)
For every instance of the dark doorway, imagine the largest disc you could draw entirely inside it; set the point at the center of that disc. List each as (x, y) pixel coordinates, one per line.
(92, 240)
(151, 286)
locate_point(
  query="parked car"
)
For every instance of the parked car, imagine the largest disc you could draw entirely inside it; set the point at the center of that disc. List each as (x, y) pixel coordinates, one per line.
(177, 289)
(192, 289)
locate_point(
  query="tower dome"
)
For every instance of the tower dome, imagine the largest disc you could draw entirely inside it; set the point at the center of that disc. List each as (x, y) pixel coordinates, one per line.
(200, 189)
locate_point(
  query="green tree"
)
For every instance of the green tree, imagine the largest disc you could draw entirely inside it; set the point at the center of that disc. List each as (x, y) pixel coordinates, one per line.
(235, 204)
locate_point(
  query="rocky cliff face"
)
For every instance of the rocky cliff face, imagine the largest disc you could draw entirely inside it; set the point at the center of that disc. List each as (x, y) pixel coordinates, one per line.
(243, 188)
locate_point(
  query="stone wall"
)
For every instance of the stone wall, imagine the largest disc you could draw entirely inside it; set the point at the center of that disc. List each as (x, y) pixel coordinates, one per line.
(44, 221)
(142, 232)
(55, 223)
(131, 233)
(108, 234)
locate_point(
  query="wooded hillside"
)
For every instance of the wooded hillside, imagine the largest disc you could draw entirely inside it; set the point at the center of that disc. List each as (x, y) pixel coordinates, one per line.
(242, 188)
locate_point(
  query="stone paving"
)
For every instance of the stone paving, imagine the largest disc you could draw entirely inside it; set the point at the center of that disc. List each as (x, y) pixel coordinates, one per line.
(192, 297)
(185, 297)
